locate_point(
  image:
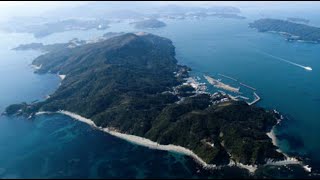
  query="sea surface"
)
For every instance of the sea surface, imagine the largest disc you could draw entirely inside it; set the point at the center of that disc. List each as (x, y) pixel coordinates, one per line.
(56, 146)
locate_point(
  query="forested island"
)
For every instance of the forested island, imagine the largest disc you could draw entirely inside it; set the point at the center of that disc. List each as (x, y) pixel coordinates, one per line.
(60, 46)
(50, 47)
(292, 31)
(131, 83)
(42, 29)
(149, 23)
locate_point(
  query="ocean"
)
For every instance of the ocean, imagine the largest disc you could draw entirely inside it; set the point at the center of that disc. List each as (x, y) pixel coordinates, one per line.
(56, 146)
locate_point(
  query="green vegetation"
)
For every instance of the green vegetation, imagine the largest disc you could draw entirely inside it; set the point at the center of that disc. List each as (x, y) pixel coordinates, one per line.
(120, 83)
(51, 47)
(293, 31)
(149, 23)
(44, 28)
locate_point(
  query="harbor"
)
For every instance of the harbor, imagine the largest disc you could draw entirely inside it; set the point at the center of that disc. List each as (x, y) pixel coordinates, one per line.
(218, 84)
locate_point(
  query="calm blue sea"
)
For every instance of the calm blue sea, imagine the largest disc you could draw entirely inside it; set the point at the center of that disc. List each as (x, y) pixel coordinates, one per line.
(55, 146)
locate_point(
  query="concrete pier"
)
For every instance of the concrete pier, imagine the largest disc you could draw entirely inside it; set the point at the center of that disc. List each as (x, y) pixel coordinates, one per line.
(248, 86)
(257, 98)
(227, 77)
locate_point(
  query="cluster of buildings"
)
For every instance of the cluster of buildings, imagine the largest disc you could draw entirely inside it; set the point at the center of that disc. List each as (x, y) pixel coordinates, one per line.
(220, 97)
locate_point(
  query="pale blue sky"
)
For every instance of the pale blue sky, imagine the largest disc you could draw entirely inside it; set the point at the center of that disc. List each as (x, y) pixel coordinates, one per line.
(34, 8)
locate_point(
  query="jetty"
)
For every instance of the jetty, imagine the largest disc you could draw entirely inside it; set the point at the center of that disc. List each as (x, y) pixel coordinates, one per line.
(218, 84)
(243, 97)
(236, 98)
(248, 86)
(257, 98)
(227, 77)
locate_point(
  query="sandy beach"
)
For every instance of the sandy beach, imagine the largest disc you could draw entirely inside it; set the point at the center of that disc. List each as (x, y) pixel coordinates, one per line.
(174, 148)
(140, 140)
(288, 160)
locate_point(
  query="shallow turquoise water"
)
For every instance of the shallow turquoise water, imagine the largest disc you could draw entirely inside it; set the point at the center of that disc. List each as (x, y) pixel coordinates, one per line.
(58, 146)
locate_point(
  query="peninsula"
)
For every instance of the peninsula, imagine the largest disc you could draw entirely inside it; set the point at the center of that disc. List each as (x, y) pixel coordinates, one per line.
(132, 85)
(291, 30)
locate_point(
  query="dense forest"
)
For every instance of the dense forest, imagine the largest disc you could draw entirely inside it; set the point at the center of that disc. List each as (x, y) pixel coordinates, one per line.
(126, 82)
(149, 23)
(293, 31)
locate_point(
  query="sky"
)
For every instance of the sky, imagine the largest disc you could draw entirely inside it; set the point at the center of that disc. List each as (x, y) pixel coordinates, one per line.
(34, 8)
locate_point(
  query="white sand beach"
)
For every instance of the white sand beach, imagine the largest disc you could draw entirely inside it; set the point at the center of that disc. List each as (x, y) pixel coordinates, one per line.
(174, 148)
(140, 140)
(288, 160)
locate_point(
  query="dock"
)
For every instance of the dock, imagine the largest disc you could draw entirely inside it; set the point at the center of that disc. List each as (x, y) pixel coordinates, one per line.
(257, 98)
(227, 77)
(236, 98)
(243, 97)
(248, 86)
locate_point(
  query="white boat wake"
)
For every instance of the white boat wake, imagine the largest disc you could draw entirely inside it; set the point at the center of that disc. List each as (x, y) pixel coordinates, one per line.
(287, 61)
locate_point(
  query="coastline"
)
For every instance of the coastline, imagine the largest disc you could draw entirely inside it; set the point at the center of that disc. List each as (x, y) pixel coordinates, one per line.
(289, 160)
(151, 144)
(179, 149)
(139, 140)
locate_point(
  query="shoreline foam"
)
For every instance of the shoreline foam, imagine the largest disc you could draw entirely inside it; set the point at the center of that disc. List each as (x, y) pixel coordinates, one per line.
(289, 160)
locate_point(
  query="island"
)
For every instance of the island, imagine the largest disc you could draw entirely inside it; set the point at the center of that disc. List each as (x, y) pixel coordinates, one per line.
(50, 47)
(131, 86)
(292, 31)
(199, 15)
(223, 15)
(149, 24)
(59, 46)
(174, 11)
(43, 29)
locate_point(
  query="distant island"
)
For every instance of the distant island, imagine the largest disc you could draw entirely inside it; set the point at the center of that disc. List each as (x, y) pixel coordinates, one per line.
(40, 30)
(149, 23)
(183, 12)
(131, 86)
(199, 15)
(292, 31)
(60, 46)
(233, 16)
(51, 47)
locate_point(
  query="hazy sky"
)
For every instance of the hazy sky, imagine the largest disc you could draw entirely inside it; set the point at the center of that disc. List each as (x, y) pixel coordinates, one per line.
(33, 8)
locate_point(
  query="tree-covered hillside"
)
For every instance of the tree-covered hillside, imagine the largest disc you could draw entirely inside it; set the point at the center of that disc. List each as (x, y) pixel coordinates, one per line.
(127, 83)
